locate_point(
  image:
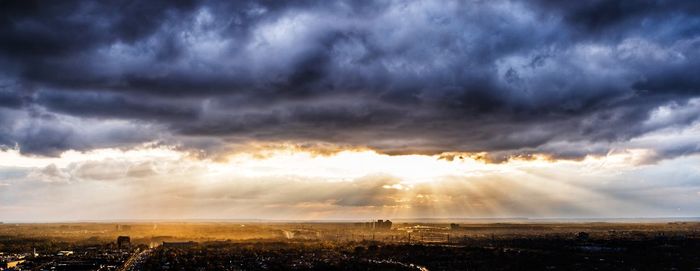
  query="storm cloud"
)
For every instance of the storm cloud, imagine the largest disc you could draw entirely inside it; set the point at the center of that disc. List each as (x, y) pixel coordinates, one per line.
(504, 77)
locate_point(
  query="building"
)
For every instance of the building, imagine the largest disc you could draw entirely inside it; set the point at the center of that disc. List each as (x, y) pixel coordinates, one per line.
(10, 264)
(123, 242)
(383, 224)
(378, 225)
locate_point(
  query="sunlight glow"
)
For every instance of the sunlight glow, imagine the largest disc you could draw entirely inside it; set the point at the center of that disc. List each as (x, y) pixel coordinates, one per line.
(305, 183)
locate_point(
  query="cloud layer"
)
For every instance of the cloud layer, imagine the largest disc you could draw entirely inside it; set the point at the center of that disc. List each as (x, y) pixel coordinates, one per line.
(161, 183)
(504, 77)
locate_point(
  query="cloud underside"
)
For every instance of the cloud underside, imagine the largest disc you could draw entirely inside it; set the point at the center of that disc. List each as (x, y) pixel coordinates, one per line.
(503, 77)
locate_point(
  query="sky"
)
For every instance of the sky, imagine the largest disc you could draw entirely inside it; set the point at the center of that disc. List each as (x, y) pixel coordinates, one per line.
(354, 110)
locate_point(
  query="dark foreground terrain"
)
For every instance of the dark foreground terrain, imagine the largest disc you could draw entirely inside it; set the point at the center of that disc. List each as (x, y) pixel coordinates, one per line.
(326, 246)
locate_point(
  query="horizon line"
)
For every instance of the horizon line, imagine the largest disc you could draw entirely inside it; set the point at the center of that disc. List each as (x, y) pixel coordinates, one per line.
(397, 219)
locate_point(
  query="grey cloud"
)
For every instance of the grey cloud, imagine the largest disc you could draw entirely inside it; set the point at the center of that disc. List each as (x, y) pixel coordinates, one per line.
(36, 132)
(10, 100)
(141, 170)
(397, 76)
(115, 106)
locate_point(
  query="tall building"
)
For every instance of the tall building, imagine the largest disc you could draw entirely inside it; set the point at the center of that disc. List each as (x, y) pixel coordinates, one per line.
(383, 224)
(123, 242)
(376, 225)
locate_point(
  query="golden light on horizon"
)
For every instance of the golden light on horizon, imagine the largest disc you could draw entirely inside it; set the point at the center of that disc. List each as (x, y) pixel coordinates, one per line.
(286, 181)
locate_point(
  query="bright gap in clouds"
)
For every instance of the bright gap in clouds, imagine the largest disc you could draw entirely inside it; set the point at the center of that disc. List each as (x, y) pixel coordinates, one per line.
(343, 165)
(349, 165)
(289, 183)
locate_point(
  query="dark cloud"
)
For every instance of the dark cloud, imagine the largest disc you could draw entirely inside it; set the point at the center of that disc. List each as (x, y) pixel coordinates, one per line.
(600, 16)
(402, 77)
(113, 105)
(10, 99)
